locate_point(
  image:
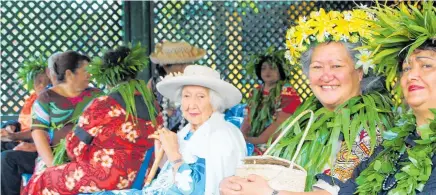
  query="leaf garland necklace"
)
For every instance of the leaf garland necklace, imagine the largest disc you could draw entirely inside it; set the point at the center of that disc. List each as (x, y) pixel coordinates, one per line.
(263, 108)
(370, 112)
(410, 175)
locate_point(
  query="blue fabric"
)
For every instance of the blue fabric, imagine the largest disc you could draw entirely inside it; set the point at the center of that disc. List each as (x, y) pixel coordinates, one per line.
(250, 149)
(26, 178)
(235, 111)
(139, 180)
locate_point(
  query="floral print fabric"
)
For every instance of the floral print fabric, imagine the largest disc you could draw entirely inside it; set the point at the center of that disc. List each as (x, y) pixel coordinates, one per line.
(110, 162)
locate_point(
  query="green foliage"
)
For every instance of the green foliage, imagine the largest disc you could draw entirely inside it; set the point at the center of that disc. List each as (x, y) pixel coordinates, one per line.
(128, 90)
(60, 153)
(398, 30)
(110, 74)
(412, 174)
(369, 112)
(263, 108)
(30, 69)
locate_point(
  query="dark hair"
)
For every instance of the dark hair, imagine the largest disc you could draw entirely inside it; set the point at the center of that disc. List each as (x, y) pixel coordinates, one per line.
(160, 70)
(427, 45)
(115, 58)
(69, 60)
(258, 67)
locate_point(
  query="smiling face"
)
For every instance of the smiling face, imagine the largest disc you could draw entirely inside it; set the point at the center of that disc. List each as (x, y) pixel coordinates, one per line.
(332, 76)
(418, 79)
(196, 106)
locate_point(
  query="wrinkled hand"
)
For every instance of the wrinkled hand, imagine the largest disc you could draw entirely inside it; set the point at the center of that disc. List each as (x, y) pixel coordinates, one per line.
(255, 185)
(26, 147)
(230, 185)
(168, 141)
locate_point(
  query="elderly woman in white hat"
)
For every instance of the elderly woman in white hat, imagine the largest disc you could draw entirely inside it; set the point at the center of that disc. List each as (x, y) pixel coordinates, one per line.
(171, 58)
(208, 148)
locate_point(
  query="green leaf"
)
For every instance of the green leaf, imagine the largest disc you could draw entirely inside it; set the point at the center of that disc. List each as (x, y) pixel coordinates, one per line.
(416, 44)
(377, 165)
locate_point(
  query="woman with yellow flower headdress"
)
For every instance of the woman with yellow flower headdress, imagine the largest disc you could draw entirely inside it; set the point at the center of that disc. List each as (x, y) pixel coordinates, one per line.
(349, 114)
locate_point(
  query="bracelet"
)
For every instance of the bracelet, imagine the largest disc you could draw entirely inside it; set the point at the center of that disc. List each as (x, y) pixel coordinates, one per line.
(275, 192)
(177, 161)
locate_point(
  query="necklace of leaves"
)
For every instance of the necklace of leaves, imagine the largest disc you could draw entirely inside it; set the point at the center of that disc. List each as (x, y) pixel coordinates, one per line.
(371, 112)
(263, 108)
(410, 175)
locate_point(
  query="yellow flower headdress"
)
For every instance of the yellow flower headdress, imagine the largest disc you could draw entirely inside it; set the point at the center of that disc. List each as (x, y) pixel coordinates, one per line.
(346, 26)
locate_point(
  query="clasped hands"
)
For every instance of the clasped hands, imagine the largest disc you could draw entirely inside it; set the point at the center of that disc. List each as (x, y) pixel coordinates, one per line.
(167, 140)
(252, 185)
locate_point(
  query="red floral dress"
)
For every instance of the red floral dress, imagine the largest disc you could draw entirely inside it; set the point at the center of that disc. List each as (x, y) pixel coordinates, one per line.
(110, 162)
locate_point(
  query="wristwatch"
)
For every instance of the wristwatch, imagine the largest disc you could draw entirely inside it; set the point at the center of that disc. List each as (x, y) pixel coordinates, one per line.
(177, 161)
(275, 192)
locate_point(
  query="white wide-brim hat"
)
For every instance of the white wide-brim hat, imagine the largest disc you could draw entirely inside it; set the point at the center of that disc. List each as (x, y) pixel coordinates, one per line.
(176, 53)
(200, 76)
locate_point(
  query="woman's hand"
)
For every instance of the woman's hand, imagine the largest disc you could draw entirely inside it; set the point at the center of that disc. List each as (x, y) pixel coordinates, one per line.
(41, 140)
(253, 185)
(230, 185)
(168, 141)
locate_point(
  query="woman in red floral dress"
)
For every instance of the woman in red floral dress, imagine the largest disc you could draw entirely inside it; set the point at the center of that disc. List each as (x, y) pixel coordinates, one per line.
(109, 143)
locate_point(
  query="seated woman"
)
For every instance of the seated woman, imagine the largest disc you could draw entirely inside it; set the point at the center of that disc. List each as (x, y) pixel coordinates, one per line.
(55, 111)
(34, 77)
(272, 102)
(208, 148)
(110, 140)
(406, 161)
(336, 79)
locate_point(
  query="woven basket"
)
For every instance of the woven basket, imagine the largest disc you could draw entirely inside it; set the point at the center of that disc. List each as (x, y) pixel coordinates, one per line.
(281, 174)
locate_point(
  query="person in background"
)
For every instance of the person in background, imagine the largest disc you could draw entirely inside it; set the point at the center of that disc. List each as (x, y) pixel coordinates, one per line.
(107, 120)
(20, 160)
(272, 102)
(172, 58)
(34, 77)
(57, 109)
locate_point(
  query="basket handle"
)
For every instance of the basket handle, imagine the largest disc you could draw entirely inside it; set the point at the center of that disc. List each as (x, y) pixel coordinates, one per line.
(283, 133)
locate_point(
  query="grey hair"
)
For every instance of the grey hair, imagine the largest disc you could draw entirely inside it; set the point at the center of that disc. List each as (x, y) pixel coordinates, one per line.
(306, 57)
(50, 62)
(369, 83)
(216, 100)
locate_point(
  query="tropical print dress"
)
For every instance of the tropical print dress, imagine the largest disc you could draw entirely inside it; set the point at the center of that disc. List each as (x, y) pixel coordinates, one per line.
(57, 115)
(109, 161)
(189, 179)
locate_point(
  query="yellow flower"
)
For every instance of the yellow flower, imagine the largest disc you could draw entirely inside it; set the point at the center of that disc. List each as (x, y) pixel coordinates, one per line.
(301, 33)
(354, 39)
(322, 23)
(342, 27)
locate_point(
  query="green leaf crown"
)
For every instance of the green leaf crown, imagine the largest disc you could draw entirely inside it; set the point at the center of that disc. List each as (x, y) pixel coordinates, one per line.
(398, 31)
(30, 69)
